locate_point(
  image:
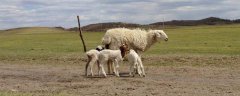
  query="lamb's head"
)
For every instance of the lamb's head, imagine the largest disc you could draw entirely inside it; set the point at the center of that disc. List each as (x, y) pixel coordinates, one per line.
(160, 35)
(99, 48)
(124, 49)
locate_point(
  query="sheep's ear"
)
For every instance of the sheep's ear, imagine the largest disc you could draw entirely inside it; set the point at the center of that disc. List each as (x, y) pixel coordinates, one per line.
(157, 35)
(126, 44)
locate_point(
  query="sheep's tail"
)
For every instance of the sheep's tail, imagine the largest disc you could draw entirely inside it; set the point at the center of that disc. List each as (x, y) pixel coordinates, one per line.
(106, 41)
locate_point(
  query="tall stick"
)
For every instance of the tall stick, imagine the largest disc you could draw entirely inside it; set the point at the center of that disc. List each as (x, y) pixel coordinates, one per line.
(163, 25)
(80, 34)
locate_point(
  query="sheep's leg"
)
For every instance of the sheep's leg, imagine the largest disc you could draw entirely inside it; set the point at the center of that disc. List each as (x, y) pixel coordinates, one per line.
(131, 69)
(86, 67)
(109, 65)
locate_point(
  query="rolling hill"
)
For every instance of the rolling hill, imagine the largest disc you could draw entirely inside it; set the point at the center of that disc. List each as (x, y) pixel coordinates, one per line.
(101, 27)
(157, 25)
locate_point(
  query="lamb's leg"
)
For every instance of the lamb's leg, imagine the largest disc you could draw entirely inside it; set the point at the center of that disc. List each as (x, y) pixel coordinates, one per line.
(142, 68)
(91, 63)
(86, 67)
(102, 69)
(98, 64)
(138, 69)
(115, 68)
(91, 66)
(131, 70)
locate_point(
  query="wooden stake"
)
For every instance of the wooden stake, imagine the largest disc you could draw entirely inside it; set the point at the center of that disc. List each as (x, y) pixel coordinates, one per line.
(163, 25)
(80, 34)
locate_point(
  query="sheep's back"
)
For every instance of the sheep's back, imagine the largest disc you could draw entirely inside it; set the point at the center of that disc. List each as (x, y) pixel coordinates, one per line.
(136, 38)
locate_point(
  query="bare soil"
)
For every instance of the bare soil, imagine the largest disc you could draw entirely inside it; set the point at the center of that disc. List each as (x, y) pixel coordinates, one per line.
(173, 80)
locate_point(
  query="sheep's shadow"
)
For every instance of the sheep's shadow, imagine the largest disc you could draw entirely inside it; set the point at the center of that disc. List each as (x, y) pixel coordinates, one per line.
(123, 74)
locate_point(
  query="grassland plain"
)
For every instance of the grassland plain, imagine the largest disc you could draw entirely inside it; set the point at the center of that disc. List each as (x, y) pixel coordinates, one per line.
(198, 53)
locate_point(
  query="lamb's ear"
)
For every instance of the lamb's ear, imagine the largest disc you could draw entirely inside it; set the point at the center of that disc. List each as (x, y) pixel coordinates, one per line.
(125, 44)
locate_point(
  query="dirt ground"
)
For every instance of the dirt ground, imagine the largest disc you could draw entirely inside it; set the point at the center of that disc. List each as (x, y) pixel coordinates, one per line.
(184, 80)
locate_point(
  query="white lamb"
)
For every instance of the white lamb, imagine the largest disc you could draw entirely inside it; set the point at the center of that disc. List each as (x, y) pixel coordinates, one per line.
(92, 59)
(137, 39)
(135, 63)
(116, 56)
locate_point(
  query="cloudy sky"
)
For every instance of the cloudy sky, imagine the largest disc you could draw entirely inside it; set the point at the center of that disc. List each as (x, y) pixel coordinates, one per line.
(23, 13)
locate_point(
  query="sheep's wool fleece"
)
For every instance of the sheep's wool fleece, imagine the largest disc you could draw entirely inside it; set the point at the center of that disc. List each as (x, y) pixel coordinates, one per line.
(137, 38)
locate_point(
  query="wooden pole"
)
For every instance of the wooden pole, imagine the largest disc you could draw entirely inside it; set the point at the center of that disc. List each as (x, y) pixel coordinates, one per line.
(80, 34)
(163, 25)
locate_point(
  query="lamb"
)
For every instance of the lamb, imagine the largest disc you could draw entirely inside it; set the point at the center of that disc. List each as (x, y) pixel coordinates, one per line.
(135, 63)
(92, 59)
(137, 39)
(116, 56)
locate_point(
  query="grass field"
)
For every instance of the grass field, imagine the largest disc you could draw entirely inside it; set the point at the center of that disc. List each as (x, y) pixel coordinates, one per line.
(46, 42)
(201, 60)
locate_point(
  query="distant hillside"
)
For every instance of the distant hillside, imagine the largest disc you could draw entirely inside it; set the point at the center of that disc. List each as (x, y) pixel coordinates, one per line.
(157, 25)
(101, 27)
(30, 28)
(33, 30)
(206, 21)
(105, 26)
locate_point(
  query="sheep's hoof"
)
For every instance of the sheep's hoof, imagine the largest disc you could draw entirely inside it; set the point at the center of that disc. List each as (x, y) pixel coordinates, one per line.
(105, 76)
(117, 75)
(140, 75)
(131, 75)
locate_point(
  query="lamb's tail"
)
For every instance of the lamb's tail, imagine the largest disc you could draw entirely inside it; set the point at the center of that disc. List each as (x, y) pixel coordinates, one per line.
(106, 41)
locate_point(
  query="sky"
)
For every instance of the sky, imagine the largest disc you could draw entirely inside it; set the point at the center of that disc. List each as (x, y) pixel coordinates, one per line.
(53, 13)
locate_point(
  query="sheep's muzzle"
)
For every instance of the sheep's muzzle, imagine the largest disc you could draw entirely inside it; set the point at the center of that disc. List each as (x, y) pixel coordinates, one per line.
(166, 39)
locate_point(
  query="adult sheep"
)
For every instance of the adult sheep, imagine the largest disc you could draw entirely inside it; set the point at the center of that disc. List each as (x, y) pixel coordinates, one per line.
(136, 39)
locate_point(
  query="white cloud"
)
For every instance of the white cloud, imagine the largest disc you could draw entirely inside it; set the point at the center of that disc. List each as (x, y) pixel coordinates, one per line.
(18, 13)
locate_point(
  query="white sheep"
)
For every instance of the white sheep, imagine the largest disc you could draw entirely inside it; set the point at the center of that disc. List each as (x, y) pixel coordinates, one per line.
(92, 59)
(116, 56)
(135, 63)
(137, 39)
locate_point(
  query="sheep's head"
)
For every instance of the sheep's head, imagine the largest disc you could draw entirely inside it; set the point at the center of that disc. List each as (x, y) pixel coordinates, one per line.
(160, 35)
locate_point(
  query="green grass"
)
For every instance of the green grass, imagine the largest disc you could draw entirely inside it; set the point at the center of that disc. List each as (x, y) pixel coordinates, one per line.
(50, 42)
(201, 40)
